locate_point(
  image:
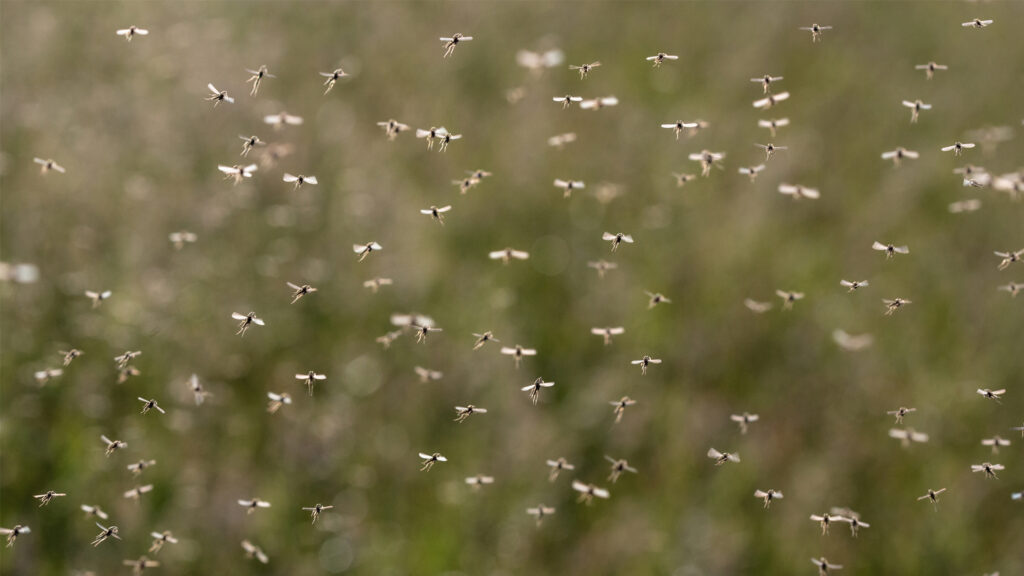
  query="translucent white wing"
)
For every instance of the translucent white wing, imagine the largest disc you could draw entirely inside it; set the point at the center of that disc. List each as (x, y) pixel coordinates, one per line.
(712, 453)
(290, 178)
(258, 321)
(213, 88)
(142, 32)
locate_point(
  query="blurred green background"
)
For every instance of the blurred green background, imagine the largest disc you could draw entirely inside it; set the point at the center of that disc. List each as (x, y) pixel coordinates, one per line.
(141, 149)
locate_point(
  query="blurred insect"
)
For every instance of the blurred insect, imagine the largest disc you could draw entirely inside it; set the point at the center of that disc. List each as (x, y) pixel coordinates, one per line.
(816, 31)
(179, 239)
(277, 400)
(300, 291)
(900, 412)
(251, 505)
(588, 491)
(961, 206)
(254, 551)
(977, 23)
(682, 179)
(44, 376)
(275, 153)
(957, 147)
(744, 420)
(644, 363)
(392, 128)
(915, 109)
(141, 564)
(388, 338)
(773, 125)
(992, 394)
(309, 379)
(722, 457)
(127, 357)
(620, 407)
(245, 321)
(568, 186)
(113, 445)
(557, 466)
(797, 191)
(94, 511)
(484, 338)
(598, 103)
(1016, 496)
(995, 443)
(898, 155)
(466, 184)
(788, 298)
(423, 331)
(930, 68)
(430, 459)
(1013, 288)
(988, 468)
(535, 62)
(824, 566)
(280, 119)
(653, 299)
(618, 467)
(679, 126)
(365, 249)
(567, 100)
(602, 266)
(616, 239)
(464, 412)
(104, 534)
(97, 297)
(751, 171)
(316, 510)
(47, 165)
(436, 213)
(332, 79)
(1009, 258)
(534, 389)
(237, 172)
(757, 307)
(825, 520)
(431, 135)
(707, 160)
(299, 180)
(891, 306)
(137, 468)
(161, 538)
(770, 100)
(148, 405)
(560, 140)
(475, 482)
(850, 342)
(218, 96)
(479, 175)
(889, 249)
(607, 333)
(127, 372)
(427, 375)
(933, 496)
(660, 57)
(446, 139)
(768, 496)
(854, 284)
(852, 518)
(13, 533)
(47, 497)
(517, 353)
(766, 81)
(584, 68)
(508, 254)
(539, 512)
(452, 42)
(374, 284)
(770, 149)
(257, 77)
(131, 31)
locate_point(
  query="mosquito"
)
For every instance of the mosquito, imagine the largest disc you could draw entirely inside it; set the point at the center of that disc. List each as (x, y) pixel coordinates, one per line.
(773, 125)
(392, 128)
(437, 213)
(588, 491)
(180, 238)
(995, 443)
(113, 445)
(825, 520)
(788, 298)
(254, 551)
(797, 191)
(744, 420)
(451, 43)
(131, 31)
(722, 457)
(1013, 288)
(992, 394)
(257, 76)
(568, 186)
(891, 306)
(47, 165)
(364, 249)
(309, 379)
(900, 412)
(315, 511)
(607, 333)
(824, 566)
(423, 331)
(584, 68)
(94, 511)
(147, 405)
(332, 79)
(1019, 429)
(616, 239)
(466, 184)
(682, 179)
(127, 372)
(907, 436)
(898, 155)
(659, 58)
(977, 23)
(1009, 258)
(237, 172)
(618, 467)
(137, 468)
(988, 468)
(930, 68)
(853, 285)
(560, 140)
(44, 376)
(707, 160)
(508, 254)
(97, 297)
(557, 466)
(300, 291)
(161, 538)
(534, 389)
(970, 205)
(299, 180)
(751, 171)
(430, 459)
(768, 496)
(245, 321)
(539, 512)
(816, 31)
(431, 135)
(252, 505)
(446, 139)
(679, 126)
(466, 411)
(218, 96)
(620, 407)
(482, 339)
(602, 266)
(958, 147)
(13, 533)
(653, 299)
(852, 518)
(770, 149)
(374, 284)
(933, 496)
(47, 497)
(567, 100)
(766, 81)
(141, 564)
(770, 100)
(598, 103)
(644, 363)
(277, 400)
(282, 118)
(757, 307)
(104, 534)
(915, 109)
(475, 482)
(127, 357)
(427, 375)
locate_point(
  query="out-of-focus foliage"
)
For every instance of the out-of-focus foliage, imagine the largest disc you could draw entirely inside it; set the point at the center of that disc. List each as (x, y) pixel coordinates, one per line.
(141, 149)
